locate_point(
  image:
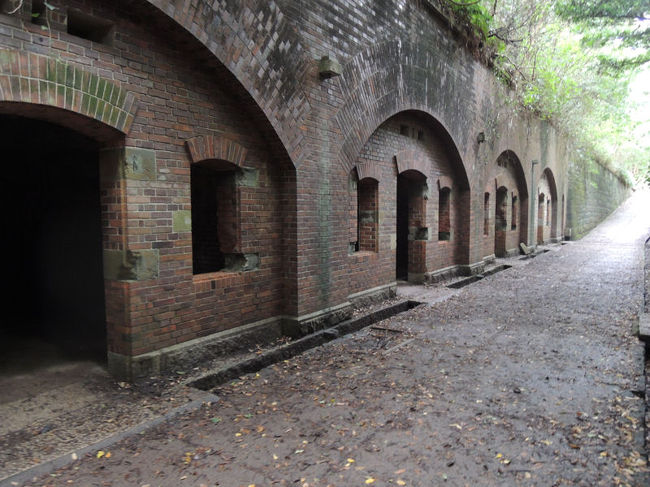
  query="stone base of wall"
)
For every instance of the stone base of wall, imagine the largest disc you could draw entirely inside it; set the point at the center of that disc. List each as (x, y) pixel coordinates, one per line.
(299, 326)
(374, 295)
(442, 274)
(512, 253)
(458, 270)
(489, 259)
(296, 327)
(417, 277)
(193, 352)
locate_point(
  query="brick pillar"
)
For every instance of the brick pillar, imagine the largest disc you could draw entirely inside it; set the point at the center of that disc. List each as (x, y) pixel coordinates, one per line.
(122, 265)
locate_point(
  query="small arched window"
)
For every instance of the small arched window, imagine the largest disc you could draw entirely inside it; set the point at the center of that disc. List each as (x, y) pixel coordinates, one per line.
(363, 213)
(215, 215)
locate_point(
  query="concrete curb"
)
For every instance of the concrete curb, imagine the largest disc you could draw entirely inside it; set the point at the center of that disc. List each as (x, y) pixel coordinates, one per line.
(45, 468)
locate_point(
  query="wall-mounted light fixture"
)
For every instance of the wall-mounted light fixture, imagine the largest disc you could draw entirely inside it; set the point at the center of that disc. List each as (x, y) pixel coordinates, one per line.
(329, 67)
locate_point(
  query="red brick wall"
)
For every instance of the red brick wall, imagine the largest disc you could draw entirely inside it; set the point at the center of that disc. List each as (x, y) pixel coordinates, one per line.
(368, 270)
(179, 96)
(409, 96)
(506, 175)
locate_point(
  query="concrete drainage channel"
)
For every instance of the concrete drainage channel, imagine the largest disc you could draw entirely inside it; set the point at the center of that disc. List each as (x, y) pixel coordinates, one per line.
(296, 347)
(472, 279)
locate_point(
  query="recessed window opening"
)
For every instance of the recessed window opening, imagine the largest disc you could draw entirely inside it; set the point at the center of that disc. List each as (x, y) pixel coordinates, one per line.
(411, 132)
(513, 217)
(500, 209)
(215, 219)
(89, 27)
(367, 215)
(486, 214)
(353, 217)
(444, 217)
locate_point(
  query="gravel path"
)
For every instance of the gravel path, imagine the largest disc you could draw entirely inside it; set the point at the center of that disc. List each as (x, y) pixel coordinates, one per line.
(527, 377)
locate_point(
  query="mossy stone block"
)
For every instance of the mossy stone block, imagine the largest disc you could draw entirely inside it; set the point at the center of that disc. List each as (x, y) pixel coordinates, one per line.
(139, 164)
(182, 221)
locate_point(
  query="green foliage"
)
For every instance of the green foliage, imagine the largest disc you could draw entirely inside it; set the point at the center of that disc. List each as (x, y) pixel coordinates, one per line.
(476, 15)
(620, 27)
(591, 11)
(571, 62)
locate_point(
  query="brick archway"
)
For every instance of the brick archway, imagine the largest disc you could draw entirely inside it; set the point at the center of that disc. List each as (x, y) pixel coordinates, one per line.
(206, 147)
(412, 160)
(373, 95)
(547, 175)
(43, 81)
(77, 176)
(508, 172)
(41, 88)
(255, 42)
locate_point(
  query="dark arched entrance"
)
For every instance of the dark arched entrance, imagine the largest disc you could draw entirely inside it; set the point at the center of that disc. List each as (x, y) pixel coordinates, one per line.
(501, 222)
(411, 224)
(511, 205)
(547, 220)
(53, 251)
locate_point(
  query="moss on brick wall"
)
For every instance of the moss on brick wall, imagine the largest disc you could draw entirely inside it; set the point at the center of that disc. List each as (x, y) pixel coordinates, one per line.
(594, 192)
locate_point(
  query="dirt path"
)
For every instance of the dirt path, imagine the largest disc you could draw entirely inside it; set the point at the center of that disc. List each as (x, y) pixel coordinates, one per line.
(528, 377)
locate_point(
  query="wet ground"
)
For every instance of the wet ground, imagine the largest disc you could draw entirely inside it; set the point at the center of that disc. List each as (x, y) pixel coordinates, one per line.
(531, 376)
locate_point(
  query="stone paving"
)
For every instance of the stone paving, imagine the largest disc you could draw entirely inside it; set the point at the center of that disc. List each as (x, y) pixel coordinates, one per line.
(531, 376)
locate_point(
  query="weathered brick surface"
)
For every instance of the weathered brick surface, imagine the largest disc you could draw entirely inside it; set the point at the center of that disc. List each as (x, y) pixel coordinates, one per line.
(594, 192)
(507, 175)
(235, 85)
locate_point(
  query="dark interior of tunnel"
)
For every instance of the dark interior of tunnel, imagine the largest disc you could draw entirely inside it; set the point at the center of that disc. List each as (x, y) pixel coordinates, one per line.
(52, 244)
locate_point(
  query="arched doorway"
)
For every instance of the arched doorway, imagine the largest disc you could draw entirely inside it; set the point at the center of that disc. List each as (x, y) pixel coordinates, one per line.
(412, 232)
(501, 221)
(541, 217)
(423, 222)
(511, 206)
(53, 191)
(547, 208)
